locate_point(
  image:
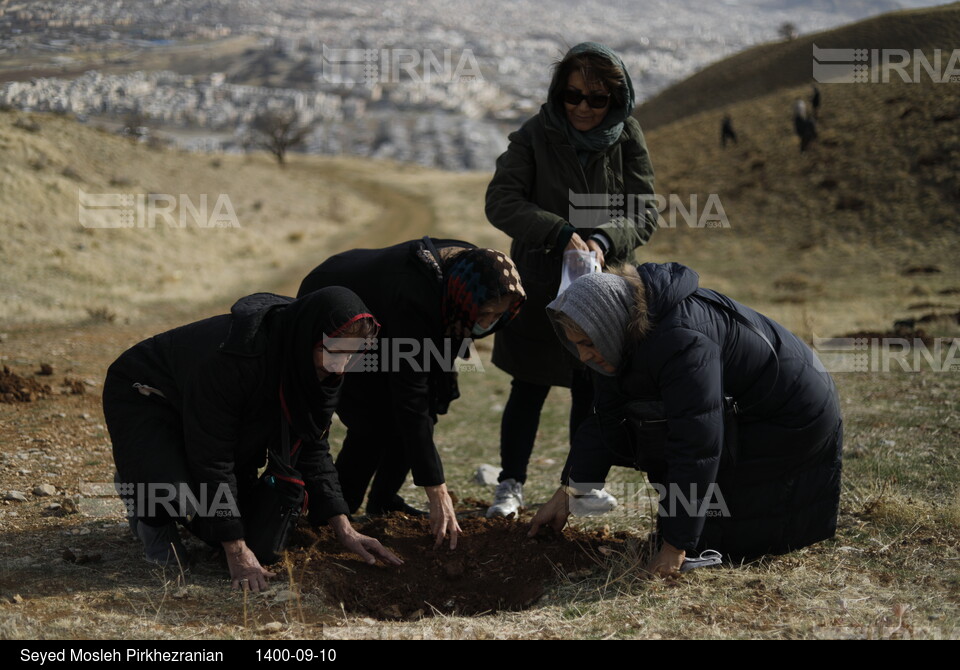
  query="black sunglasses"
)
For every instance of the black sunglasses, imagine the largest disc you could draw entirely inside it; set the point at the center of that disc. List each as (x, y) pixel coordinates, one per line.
(595, 100)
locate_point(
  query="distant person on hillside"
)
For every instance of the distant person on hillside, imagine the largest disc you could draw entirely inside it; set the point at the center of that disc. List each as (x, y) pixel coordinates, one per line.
(803, 125)
(726, 131)
(729, 413)
(815, 102)
(584, 142)
(431, 296)
(194, 412)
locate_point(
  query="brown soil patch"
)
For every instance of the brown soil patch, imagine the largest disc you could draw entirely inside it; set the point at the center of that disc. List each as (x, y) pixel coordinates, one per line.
(14, 388)
(494, 567)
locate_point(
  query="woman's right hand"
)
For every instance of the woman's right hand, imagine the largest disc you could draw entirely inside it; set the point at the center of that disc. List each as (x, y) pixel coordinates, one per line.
(577, 244)
(443, 518)
(245, 570)
(554, 513)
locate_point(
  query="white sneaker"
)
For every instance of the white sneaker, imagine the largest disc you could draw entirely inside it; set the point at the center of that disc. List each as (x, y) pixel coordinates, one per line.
(592, 503)
(705, 559)
(507, 500)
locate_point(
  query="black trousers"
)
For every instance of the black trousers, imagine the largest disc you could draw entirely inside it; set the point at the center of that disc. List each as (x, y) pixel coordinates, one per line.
(153, 477)
(521, 420)
(148, 450)
(371, 450)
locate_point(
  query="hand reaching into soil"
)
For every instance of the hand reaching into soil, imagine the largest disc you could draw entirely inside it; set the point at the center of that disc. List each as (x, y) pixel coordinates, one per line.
(367, 548)
(554, 513)
(443, 519)
(245, 570)
(666, 562)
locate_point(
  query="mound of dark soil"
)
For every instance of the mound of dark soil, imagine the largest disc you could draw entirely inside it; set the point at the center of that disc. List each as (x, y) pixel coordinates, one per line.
(494, 567)
(14, 388)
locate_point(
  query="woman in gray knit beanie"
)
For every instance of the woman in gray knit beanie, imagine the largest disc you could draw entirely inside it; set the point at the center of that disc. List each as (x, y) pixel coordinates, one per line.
(748, 428)
(592, 318)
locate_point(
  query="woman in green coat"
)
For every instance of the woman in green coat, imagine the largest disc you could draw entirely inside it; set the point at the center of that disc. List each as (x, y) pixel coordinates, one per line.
(577, 176)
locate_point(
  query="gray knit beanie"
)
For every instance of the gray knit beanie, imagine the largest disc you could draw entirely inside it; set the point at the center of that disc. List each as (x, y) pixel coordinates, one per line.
(600, 304)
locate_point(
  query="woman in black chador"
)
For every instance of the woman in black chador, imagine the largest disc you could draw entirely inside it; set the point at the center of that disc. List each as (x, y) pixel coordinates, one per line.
(194, 412)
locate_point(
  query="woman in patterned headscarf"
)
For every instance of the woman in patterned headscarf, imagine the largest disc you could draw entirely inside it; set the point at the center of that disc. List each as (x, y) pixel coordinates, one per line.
(432, 298)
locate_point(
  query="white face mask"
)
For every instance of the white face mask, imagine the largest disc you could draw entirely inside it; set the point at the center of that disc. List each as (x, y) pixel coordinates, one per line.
(480, 331)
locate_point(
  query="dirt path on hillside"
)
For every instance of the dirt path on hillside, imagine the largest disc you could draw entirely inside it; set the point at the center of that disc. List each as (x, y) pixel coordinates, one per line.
(405, 216)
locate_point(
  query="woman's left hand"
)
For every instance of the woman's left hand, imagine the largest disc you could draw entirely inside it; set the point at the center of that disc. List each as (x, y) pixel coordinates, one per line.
(666, 562)
(364, 546)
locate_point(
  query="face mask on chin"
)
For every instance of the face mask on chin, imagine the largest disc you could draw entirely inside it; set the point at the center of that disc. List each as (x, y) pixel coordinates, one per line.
(480, 331)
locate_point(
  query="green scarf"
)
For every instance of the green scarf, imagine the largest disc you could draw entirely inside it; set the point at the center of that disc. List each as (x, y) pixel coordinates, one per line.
(608, 131)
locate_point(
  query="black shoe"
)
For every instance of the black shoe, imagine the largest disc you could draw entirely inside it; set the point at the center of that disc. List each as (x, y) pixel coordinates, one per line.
(133, 523)
(394, 504)
(162, 545)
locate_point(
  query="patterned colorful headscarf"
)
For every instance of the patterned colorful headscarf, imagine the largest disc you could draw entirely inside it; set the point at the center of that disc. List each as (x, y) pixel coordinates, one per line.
(472, 278)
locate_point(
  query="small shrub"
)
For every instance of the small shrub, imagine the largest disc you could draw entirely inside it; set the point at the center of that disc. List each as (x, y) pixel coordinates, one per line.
(71, 173)
(27, 124)
(39, 162)
(101, 314)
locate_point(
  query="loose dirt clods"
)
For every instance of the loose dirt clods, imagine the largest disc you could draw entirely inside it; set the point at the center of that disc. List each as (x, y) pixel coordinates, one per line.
(14, 388)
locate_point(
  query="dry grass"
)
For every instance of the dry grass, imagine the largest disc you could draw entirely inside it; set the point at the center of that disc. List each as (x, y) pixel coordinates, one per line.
(56, 270)
(768, 67)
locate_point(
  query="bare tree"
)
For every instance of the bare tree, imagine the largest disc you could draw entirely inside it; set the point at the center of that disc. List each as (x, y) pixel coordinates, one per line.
(788, 31)
(277, 132)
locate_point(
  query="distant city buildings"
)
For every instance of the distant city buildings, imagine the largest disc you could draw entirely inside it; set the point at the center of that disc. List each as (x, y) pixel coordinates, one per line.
(433, 82)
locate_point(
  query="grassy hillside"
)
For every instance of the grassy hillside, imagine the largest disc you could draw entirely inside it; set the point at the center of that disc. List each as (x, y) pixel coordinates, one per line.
(780, 65)
(57, 270)
(829, 240)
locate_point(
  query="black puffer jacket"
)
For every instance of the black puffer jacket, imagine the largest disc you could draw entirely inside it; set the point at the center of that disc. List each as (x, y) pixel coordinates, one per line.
(694, 355)
(222, 377)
